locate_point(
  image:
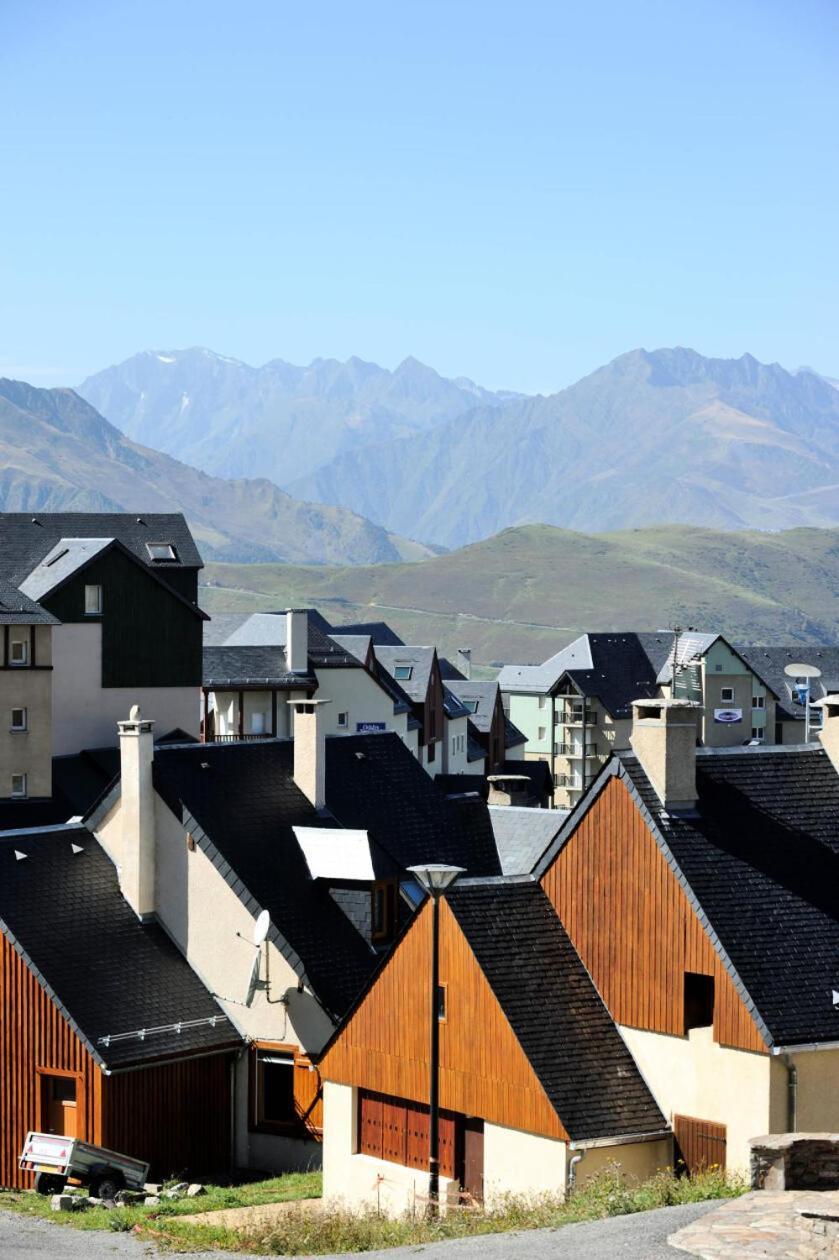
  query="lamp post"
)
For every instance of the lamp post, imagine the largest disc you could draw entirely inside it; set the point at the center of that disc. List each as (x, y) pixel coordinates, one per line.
(435, 879)
(807, 672)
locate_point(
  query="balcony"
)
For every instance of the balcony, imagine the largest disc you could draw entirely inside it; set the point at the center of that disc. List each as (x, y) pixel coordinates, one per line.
(575, 718)
(237, 739)
(576, 750)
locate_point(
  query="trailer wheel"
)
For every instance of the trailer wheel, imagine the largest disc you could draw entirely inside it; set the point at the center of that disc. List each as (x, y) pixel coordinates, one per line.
(107, 1185)
(49, 1183)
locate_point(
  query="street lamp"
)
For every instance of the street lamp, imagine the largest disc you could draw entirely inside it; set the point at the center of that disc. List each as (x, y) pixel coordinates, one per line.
(807, 672)
(435, 878)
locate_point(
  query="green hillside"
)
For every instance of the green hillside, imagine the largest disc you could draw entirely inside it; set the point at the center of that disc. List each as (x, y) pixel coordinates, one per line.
(525, 592)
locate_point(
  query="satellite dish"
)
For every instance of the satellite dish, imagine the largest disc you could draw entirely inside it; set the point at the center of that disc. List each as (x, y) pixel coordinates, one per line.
(261, 927)
(253, 980)
(800, 670)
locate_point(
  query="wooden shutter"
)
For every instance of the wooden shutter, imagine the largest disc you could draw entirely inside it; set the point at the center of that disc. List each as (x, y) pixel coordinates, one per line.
(394, 1131)
(448, 1143)
(418, 1136)
(699, 1144)
(308, 1098)
(370, 1123)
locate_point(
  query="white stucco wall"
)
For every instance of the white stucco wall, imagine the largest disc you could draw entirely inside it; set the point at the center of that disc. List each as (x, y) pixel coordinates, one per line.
(517, 1163)
(360, 1181)
(356, 693)
(455, 747)
(694, 1076)
(85, 714)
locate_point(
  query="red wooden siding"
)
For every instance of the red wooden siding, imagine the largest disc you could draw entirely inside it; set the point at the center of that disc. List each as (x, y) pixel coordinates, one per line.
(634, 927)
(398, 1130)
(33, 1035)
(176, 1116)
(484, 1072)
(699, 1144)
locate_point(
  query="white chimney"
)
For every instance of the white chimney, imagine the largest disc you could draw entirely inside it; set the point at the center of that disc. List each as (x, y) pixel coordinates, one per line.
(663, 738)
(464, 661)
(297, 640)
(136, 868)
(310, 749)
(829, 733)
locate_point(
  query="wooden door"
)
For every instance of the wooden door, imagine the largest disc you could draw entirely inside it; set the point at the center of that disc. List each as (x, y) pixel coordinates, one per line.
(58, 1105)
(473, 1159)
(699, 1144)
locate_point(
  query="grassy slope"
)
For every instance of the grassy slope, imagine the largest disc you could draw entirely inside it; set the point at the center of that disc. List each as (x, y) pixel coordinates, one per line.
(526, 591)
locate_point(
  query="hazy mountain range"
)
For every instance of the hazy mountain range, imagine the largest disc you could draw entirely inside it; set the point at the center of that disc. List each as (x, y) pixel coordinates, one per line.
(277, 421)
(666, 435)
(58, 453)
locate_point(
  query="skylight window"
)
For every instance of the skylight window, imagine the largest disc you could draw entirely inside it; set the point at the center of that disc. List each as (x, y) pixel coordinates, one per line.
(161, 551)
(471, 705)
(402, 673)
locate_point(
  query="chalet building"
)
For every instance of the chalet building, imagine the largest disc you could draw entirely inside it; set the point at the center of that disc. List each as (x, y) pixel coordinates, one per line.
(26, 630)
(698, 887)
(253, 664)
(317, 833)
(536, 1085)
(126, 627)
(106, 1033)
(575, 708)
(417, 671)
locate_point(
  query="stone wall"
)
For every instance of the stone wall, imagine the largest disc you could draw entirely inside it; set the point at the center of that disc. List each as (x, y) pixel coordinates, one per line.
(795, 1161)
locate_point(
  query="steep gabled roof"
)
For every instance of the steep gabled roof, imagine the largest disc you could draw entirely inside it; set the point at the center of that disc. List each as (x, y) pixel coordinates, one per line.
(478, 698)
(379, 631)
(418, 659)
(110, 975)
(770, 662)
(249, 667)
(18, 609)
(552, 1006)
(759, 862)
(25, 537)
(522, 834)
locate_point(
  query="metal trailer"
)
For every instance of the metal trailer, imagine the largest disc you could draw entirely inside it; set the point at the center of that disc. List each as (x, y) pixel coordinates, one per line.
(55, 1160)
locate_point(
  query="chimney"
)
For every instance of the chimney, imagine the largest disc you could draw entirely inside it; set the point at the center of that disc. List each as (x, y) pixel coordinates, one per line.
(464, 661)
(829, 733)
(663, 738)
(310, 749)
(297, 640)
(136, 868)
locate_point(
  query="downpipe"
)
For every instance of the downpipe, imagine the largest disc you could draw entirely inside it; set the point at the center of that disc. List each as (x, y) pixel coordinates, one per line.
(792, 1094)
(572, 1171)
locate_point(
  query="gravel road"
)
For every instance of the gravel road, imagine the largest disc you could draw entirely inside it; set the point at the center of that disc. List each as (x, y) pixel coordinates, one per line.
(639, 1237)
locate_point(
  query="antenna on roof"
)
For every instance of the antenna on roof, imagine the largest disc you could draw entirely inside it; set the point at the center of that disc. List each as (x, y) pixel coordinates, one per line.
(677, 630)
(800, 670)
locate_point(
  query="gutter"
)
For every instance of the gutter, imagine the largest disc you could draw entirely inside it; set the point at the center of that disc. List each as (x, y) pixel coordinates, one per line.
(625, 1139)
(806, 1046)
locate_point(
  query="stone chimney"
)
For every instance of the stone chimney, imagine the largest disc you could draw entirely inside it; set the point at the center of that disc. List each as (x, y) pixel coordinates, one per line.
(137, 858)
(464, 661)
(297, 640)
(829, 733)
(310, 749)
(663, 738)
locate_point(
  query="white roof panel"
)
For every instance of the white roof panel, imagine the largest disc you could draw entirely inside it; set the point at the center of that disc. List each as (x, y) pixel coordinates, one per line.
(336, 853)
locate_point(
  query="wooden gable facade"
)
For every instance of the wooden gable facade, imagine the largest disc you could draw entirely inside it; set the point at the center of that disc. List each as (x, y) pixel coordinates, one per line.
(634, 927)
(484, 1072)
(176, 1115)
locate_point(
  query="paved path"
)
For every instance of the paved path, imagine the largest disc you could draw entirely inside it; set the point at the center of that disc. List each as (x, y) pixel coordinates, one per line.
(767, 1223)
(639, 1237)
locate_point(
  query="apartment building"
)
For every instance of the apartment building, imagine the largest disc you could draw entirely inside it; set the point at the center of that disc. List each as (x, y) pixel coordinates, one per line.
(26, 631)
(575, 708)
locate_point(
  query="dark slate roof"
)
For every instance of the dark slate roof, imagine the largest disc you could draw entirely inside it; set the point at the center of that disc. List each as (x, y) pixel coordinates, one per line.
(769, 664)
(481, 694)
(108, 973)
(523, 834)
(250, 666)
(621, 672)
(759, 860)
(267, 630)
(513, 737)
(241, 802)
(475, 750)
(379, 631)
(26, 537)
(453, 707)
(554, 1010)
(375, 783)
(420, 659)
(78, 780)
(17, 609)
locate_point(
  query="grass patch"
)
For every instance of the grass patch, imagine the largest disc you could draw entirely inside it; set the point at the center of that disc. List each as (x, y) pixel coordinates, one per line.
(300, 1232)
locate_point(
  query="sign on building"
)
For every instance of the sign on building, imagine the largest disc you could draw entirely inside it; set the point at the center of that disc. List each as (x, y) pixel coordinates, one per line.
(369, 728)
(728, 715)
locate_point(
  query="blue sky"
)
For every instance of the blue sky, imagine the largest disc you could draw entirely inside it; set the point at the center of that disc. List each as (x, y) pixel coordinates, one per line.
(513, 191)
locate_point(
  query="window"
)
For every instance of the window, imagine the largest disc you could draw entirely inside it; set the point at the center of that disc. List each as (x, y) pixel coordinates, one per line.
(758, 702)
(274, 1088)
(442, 998)
(383, 910)
(343, 719)
(432, 753)
(542, 733)
(543, 701)
(257, 724)
(18, 719)
(92, 601)
(699, 1001)
(758, 732)
(19, 652)
(18, 785)
(471, 705)
(727, 694)
(402, 673)
(161, 551)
